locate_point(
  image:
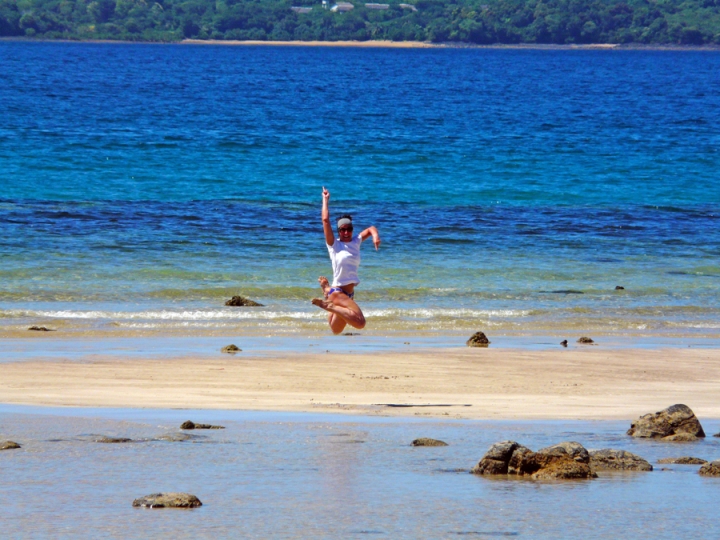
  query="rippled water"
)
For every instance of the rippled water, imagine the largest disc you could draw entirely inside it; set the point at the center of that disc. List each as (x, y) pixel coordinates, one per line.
(301, 476)
(143, 185)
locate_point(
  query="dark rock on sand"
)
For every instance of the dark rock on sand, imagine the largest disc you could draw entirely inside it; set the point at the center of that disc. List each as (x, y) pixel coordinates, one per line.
(113, 440)
(617, 460)
(40, 329)
(676, 423)
(561, 461)
(619, 288)
(241, 301)
(685, 460)
(710, 469)
(585, 340)
(478, 339)
(424, 441)
(168, 500)
(9, 445)
(192, 425)
(231, 349)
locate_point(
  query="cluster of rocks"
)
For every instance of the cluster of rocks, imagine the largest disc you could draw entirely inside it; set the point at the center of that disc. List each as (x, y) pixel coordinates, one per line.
(561, 461)
(570, 460)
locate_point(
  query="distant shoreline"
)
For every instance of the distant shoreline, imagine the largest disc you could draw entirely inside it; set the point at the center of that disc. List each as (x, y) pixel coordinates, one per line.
(378, 44)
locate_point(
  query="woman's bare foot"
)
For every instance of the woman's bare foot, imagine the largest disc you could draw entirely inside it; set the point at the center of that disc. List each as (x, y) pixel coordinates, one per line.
(324, 285)
(323, 304)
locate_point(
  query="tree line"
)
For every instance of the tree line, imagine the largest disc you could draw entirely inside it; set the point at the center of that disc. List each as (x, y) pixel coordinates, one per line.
(651, 22)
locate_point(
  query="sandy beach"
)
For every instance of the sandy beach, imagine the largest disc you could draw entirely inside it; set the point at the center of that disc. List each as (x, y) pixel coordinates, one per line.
(578, 383)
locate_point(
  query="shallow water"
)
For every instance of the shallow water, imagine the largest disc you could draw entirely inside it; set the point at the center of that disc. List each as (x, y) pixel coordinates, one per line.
(288, 475)
(514, 189)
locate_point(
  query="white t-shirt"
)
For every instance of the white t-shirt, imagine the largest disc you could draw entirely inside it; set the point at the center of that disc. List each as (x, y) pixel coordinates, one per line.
(345, 258)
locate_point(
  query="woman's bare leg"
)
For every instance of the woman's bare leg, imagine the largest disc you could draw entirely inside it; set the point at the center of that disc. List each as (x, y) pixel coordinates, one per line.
(337, 323)
(343, 310)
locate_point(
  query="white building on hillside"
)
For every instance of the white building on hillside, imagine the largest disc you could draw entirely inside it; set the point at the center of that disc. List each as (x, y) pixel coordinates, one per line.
(342, 6)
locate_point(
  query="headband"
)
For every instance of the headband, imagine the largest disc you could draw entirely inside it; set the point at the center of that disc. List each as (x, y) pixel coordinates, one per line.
(344, 221)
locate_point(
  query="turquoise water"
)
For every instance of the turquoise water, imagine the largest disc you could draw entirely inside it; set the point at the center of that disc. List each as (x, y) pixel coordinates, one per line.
(273, 475)
(514, 190)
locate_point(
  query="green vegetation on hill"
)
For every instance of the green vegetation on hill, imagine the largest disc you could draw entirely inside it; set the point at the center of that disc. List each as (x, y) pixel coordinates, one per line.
(689, 22)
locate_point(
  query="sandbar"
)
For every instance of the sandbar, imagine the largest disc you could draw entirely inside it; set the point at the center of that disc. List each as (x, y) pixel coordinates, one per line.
(581, 383)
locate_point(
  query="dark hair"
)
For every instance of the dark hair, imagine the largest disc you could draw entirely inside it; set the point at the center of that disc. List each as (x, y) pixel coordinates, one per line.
(345, 216)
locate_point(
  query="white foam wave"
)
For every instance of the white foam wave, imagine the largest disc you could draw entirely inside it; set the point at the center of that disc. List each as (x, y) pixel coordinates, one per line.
(254, 314)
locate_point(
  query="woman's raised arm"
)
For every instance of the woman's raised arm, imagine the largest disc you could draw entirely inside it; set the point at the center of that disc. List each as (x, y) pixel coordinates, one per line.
(327, 227)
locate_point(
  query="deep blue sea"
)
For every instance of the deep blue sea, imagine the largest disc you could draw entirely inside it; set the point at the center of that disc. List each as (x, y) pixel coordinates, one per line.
(143, 185)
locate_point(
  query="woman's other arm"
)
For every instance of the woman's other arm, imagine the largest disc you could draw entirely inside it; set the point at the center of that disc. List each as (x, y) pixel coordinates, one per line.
(372, 231)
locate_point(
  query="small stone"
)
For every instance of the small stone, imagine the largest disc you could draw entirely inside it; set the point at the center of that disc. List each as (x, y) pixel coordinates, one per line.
(424, 441)
(585, 340)
(478, 339)
(231, 349)
(192, 425)
(9, 445)
(564, 343)
(113, 440)
(242, 301)
(685, 460)
(710, 469)
(168, 500)
(619, 288)
(40, 329)
(716, 435)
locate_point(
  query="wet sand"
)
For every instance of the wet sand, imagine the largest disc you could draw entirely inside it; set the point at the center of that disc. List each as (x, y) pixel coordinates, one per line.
(578, 383)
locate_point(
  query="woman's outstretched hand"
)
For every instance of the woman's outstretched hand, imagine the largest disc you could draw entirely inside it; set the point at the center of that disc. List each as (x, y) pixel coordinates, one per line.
(326, 194)
(376, 241)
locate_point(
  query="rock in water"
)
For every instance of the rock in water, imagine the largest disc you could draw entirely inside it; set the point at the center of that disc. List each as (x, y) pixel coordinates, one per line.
(710, 469)
(685, 460)
(423, 441)
(497, 459)
(562, 461)
(242, 301)
(478, 339)
(619, 288)
(178, 437)
(231, 349)
(9, 445)
(676, 423)
(585, 340)
(617, 460)
(168, 500)
(113, 440)
(192, 425)
(40, 329)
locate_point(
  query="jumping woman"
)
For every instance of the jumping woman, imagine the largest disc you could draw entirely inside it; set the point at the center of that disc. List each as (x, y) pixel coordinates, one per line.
(345, 257)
